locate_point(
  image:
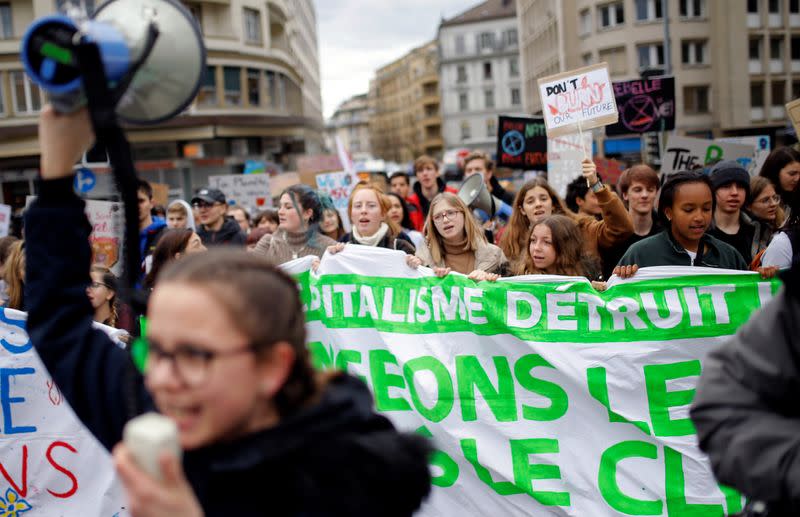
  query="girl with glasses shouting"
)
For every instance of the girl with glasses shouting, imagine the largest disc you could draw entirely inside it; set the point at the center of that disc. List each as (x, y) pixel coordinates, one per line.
(262, 431)
(455, 242)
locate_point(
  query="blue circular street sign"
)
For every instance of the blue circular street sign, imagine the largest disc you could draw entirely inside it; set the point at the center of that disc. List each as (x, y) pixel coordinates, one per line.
(85, 180)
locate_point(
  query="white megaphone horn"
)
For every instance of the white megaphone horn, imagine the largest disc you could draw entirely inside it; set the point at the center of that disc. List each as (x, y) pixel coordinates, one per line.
(474, 194)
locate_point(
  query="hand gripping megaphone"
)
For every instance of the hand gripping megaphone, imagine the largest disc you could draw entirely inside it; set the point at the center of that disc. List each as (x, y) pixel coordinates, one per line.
(152, 55)
(474, 194)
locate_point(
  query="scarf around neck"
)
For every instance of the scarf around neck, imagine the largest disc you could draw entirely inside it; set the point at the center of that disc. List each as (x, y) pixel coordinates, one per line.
(372, 240)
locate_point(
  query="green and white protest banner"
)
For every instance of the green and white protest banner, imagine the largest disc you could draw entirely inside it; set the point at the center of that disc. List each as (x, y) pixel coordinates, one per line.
(50, 464)
(543, 396)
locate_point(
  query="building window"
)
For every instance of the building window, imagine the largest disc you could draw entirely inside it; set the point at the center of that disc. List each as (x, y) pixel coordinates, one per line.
(252, 26)
(795, 89)
(775, 6)
(693, 8)
(461, 48)
(462, 74)
(794, 6)
(611, 15)
(491, 127)
(755, 49)
(752, 6)
(232, 79)
(776, 48)
(616, 58)
(757, 95)
(648, 10)
(207, 96)
(488, 98)
(487, 70)
(695, 100)
(516, 97)
(254, 87)
(694, 52)
(5, 19)
(513, 67)
(27, 96)
(272, 89)
(778, 93)
(585, 23)
(650, 56)
(465, 130)
(795, 48)
(487, 40)
(511, 37)
(281, 80)
(586, 59)
(463, 102)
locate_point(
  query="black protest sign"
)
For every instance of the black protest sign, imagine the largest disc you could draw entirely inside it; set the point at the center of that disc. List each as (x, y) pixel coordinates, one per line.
(522, 143)
(644, 105)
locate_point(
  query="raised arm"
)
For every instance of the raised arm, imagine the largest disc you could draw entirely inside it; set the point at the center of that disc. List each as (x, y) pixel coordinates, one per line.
(93, 374)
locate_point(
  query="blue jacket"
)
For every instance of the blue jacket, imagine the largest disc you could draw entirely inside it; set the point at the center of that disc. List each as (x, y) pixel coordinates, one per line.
(334, 457)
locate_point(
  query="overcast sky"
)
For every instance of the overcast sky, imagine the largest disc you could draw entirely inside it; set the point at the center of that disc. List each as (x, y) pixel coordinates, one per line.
(356, 37)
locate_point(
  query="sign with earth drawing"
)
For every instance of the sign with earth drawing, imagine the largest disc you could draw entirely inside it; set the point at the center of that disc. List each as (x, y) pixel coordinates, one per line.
(644, 105)
(522, 143)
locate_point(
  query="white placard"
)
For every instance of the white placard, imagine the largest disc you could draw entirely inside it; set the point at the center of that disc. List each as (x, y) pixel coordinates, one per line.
(338, 185)
(250, 191)
(564, 156)
(684, 153)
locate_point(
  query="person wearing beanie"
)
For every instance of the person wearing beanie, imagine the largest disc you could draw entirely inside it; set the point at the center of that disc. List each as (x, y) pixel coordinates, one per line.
(731, 184)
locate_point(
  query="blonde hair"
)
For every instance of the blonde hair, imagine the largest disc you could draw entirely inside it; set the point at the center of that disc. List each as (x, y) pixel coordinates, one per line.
(383, 202)
(13, 275)
(434, 240)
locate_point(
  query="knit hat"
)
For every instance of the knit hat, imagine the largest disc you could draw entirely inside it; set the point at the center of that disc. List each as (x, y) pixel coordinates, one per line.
(730, 171)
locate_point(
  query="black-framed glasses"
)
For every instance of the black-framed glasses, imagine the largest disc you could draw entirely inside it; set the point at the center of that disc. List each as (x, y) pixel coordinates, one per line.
(98, 285)
(190, 363)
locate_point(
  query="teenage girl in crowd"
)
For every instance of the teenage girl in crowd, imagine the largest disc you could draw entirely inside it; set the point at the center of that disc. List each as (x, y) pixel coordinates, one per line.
(556, 248)
(172, 245)
(537, 200)
(261, 430)
(685, 207)
(298, 235)
(398, 212)
(102, 293)
(330, 224)
(782, 168)
(764, 209)
(371, 226)
(455, 242)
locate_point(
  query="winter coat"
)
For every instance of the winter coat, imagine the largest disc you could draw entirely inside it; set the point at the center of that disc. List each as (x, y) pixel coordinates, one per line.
(745, 409)
(612, 230)
(400, 242)
(333, 457)
(422, 203)
(662, 250)
(230, 234)
(488, 257)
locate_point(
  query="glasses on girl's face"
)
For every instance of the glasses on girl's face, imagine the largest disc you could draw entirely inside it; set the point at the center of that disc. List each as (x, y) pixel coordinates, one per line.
(449, 214)
(771, 199)
(97, 285)
(190, 363)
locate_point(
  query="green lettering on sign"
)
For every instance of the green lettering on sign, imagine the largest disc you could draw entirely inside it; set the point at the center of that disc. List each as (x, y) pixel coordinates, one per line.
(525, 471)
(444, 384)
(598, 388)
(607, 478)
(383, 380)
(660, 400)
(321, 356)
(559, 401)
(676, 495)
(443, 461)
(471, 375)
(470, 449)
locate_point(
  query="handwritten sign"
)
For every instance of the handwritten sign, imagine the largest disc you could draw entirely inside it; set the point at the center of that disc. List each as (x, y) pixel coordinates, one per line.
(577, 100)
(250, 191)
(564, 157)
(684, 153)
(609, 169)
(644, 105)
(338, 185)
(522, 143)
(793, 110)
(51, 464)
(761, 146)
(107, 220)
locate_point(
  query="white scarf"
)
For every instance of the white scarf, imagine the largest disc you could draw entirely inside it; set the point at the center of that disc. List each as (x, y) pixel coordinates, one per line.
(372, 240)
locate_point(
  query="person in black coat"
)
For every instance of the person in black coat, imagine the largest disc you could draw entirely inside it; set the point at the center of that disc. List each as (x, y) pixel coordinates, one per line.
(262, 432)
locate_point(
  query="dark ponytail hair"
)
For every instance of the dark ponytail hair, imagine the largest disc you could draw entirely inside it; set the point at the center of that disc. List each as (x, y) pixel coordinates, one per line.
(777, 160)
(305, 198)
(172, 241)
(670, 187)
(242, 281)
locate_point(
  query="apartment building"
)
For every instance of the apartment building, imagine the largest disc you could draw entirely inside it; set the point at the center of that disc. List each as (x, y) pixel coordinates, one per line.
(480, 73)
(405, 119)
(260, 99)
(736, 62)
(350, 124)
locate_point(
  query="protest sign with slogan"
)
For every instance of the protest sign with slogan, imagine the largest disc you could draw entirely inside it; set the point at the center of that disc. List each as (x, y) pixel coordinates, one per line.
(793, 110)
(564, 156)
(644, 105)
(542, 396)
(49, 462)
(684, 153)
(577, 100)
(762, 144)
(250, 191)
(338, 185)
(522, 143)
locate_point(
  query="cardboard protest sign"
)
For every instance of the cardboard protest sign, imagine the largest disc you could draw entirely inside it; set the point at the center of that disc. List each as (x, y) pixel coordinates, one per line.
(577, 100)
(5, 219)
(793, 110)
(250, 191)
(762, 144)
(564, 156)
(609, 170)
(318, 163)
(684, 153)
(644, 105)
(51, 464)
(522, 143)
(283, 180)
(108, 226)
(542, 396)
(338, 185)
